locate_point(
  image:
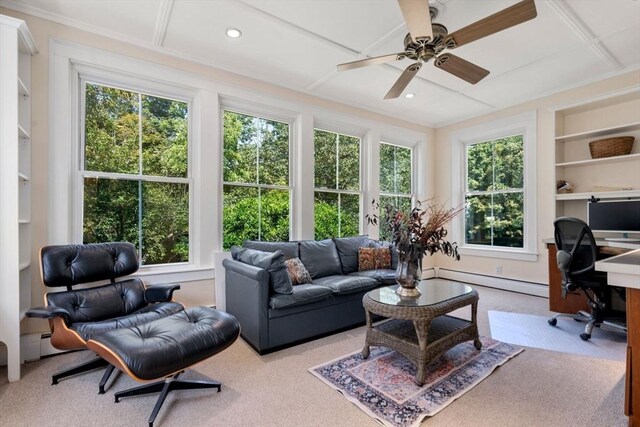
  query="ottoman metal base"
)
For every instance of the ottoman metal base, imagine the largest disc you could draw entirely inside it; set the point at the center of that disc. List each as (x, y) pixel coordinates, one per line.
(164, 387)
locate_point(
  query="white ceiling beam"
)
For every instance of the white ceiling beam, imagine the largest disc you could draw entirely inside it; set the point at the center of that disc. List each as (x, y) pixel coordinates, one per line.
(583, 31)
(162, 22)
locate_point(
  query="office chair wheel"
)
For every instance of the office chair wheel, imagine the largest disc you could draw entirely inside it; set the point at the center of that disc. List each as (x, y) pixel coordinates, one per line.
(553, 321)
(585, 336)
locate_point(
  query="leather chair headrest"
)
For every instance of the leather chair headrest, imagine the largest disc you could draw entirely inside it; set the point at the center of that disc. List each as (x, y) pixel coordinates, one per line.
(69, 265)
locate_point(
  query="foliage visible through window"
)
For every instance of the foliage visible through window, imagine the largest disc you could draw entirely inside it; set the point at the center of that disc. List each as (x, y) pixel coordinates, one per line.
(494, 196)
(396, 186)
(256, 179)
(135, 172)
(337, 185)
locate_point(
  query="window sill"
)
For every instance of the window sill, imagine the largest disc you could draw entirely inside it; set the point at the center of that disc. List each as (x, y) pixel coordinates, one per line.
(518, 255)
(173, 274)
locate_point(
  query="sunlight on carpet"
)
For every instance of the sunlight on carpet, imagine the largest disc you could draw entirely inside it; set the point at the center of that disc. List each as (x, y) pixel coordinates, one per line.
(383, 387)
(534, 331)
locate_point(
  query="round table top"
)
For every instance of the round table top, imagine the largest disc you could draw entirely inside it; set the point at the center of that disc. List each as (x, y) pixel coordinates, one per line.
(432, 292)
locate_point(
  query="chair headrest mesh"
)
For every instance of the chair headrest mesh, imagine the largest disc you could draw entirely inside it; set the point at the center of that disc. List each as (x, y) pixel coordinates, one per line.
(69, 265)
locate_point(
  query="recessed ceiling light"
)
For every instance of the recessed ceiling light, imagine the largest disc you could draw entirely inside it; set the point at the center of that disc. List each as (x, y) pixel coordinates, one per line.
(234, 33)
(410, 95)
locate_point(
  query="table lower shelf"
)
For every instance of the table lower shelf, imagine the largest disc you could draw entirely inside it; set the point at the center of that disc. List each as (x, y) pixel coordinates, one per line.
(444, 332)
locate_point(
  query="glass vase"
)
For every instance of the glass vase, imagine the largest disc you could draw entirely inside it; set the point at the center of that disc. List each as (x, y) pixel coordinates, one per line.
(408, 277)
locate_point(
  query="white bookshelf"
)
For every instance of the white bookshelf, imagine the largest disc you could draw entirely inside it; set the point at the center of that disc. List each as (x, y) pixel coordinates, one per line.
(616, 114)
(16, 48)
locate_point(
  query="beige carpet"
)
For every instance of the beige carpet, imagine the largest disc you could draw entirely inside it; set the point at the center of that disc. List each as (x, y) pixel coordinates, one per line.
(537, 388)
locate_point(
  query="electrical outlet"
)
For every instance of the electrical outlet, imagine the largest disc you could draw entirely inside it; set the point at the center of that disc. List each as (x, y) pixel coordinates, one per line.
(499, 270)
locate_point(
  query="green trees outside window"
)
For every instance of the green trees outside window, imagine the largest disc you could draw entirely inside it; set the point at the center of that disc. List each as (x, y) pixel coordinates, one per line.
(396, 181)
(135, 172)
(337, 185)
(495, 193)
(256, 190)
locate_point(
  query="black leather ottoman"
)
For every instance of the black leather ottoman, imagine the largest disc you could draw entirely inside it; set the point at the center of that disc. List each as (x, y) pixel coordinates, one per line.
(164, 348)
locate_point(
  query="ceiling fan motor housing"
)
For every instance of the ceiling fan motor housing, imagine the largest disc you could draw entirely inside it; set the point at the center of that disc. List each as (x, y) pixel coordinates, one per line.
(425, 48)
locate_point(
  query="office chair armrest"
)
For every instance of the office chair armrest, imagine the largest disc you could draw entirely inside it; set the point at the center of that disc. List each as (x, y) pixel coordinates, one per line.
(48, 313)
(160, 293)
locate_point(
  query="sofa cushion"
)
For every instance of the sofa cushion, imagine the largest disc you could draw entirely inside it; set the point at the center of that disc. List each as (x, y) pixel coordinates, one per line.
(289, 249)
(298, 273)
(320, 257)
(302, 294)
(345, 285)
(383, 276)
(348, 251)
(392, 248)
(374, 258)
(273, 262)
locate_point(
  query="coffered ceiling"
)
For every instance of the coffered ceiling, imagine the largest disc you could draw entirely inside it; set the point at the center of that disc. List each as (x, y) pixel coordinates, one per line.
(298, 43)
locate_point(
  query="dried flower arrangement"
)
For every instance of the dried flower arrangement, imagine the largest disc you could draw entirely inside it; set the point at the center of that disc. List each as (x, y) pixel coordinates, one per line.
(419, 232)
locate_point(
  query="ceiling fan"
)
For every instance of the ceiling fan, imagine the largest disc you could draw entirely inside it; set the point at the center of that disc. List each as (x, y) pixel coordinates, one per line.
(427, 39)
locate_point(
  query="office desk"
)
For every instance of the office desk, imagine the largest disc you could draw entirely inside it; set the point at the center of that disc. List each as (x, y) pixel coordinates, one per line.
(575, 302)
(624, 270)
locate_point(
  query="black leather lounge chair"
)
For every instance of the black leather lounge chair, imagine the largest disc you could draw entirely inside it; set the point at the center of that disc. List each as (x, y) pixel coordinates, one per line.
(78, 315)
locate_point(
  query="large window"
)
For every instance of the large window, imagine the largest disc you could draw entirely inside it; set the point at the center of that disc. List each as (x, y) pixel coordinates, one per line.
(396, 181)
(494, 177)
(337, 185)
(135, 174)
(256, 191)
(494, 196)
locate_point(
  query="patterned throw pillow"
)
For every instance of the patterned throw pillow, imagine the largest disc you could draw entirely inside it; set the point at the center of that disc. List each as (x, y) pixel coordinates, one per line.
(373, 258)
(297, 272)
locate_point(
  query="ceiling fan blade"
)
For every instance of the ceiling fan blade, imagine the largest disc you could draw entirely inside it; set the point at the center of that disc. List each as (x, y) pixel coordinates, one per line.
(417, 17)
(403, 80)
(461, 68)
(371, 61)
(514, 15)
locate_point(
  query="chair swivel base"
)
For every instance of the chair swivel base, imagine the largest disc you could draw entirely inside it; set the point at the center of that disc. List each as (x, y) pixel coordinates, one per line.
(90, 365)
(592, 322)
(164, 387)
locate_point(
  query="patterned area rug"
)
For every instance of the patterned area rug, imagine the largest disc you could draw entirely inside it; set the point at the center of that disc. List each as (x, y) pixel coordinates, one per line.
(383, 386)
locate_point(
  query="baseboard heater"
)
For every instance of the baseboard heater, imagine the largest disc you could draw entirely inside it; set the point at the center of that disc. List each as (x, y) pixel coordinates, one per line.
(520, 286)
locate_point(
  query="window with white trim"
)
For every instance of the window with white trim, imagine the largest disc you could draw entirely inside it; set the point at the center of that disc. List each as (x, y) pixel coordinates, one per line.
(256, 184)
(494, 177)
(494, 193)
(337, 185)
(396, 181)
(134, 174)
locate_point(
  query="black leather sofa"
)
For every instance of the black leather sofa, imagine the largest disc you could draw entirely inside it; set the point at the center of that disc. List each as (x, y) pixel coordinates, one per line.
(332, 302)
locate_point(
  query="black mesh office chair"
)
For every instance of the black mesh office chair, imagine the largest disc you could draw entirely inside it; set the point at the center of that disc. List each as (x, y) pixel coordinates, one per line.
(576, 258)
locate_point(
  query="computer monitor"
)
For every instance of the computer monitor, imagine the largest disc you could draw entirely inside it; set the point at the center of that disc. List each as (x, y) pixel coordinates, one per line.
(614, 216)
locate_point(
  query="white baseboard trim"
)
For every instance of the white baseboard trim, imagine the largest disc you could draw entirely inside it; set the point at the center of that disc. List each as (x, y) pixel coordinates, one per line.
(32, 347)
(529, 288)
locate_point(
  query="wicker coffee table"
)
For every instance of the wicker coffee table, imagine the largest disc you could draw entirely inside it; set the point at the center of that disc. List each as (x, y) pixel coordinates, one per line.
(419, 328)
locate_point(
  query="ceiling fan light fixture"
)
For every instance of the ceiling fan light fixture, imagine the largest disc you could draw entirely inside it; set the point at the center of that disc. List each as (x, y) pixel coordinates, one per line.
(410, 95)
(234, 33)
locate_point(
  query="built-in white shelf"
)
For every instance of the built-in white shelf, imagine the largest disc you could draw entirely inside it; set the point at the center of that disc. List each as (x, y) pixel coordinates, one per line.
(24, 221)
(622, 194)
(25, 265)
(612, 159)
(22, 132)
(22, 88)
(628, 127)
(23, 177)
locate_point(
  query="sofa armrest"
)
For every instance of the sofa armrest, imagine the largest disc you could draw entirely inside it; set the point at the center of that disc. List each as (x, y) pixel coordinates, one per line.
(160, 293)
(48, 313)
(247, 298)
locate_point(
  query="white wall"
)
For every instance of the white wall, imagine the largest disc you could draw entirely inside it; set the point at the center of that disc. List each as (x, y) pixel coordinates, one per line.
(193, 292)
(537, 271)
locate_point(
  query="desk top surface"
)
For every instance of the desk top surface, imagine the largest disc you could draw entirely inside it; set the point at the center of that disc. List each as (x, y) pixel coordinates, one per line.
(622, 270)
(603, 243)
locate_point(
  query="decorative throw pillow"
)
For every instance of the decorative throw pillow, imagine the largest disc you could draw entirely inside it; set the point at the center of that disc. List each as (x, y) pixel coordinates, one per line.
(298, 273)
(374, 258)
